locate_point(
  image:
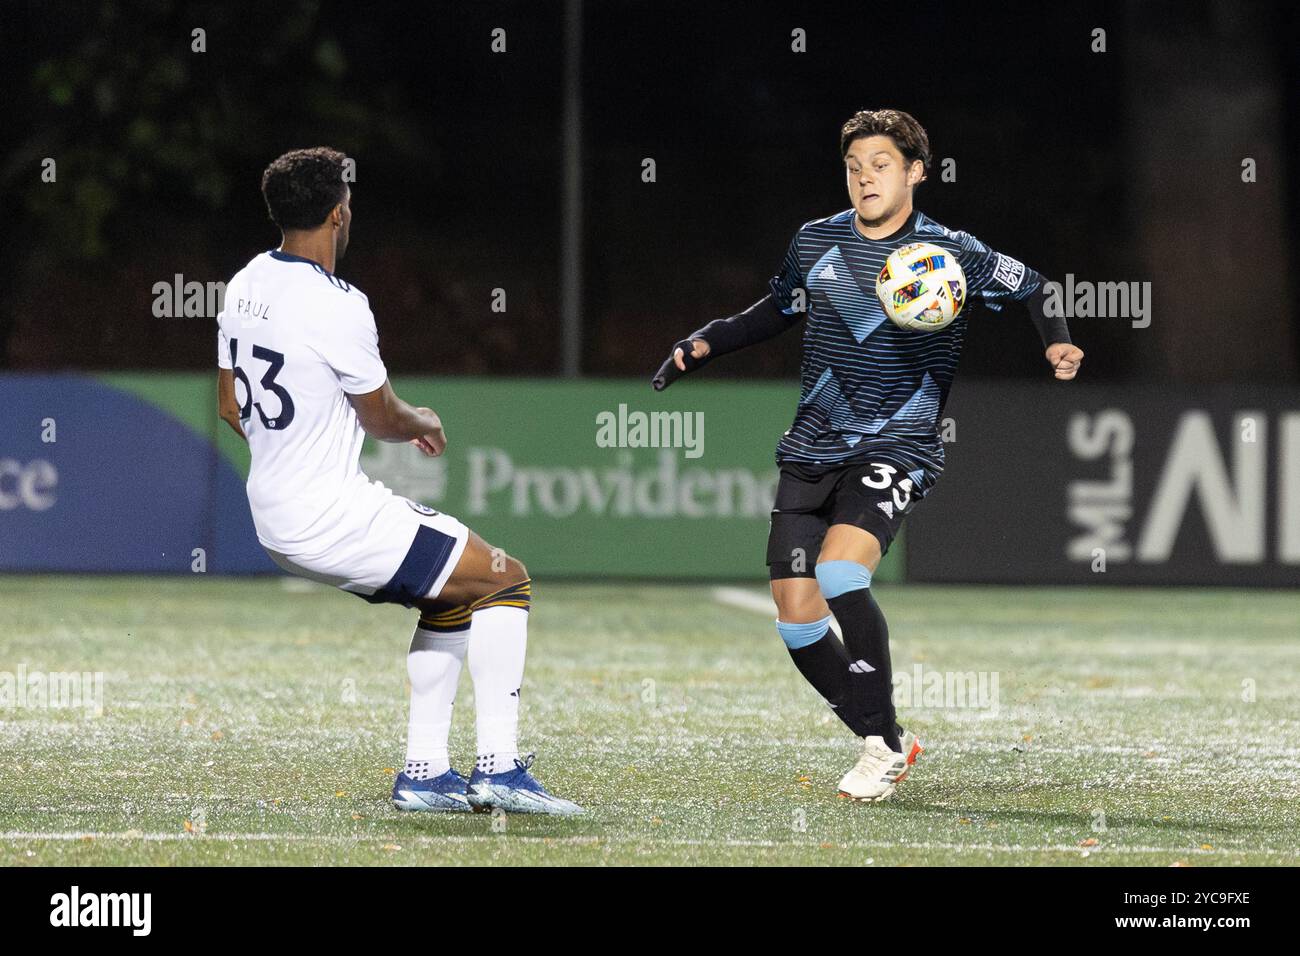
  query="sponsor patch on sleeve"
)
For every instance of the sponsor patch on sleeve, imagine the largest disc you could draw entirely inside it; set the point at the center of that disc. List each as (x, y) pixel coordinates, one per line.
(1009, 271)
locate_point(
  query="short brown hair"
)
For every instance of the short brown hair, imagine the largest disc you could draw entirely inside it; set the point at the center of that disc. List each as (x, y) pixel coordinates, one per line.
(908, 135)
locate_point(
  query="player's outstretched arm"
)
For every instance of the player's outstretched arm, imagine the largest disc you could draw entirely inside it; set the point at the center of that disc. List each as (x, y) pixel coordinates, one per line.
(761, 321)
(999, 278)
(227, 404)
(386, 417)
(1063, 355)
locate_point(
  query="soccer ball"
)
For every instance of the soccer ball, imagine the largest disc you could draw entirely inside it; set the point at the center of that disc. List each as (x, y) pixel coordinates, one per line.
(921, 287)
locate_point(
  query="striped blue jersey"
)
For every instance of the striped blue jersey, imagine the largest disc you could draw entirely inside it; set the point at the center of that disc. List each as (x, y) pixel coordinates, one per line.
(868, 388)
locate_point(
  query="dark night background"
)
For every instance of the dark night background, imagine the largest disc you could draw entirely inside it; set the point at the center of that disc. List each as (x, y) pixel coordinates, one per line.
(1115, 166)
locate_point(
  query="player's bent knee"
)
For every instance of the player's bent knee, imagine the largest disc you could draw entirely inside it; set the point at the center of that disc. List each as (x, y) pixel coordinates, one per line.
(801, 611)
(840, 577)
(798, 600)
(850, 543)
(465, 598)
(518, 595)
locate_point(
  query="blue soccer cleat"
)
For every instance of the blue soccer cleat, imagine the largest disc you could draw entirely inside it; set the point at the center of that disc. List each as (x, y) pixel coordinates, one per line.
(444, 794)
(516, 791)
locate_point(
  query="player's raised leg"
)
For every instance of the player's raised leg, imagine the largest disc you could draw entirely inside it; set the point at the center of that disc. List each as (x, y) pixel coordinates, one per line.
(490, 592)
(795, 543)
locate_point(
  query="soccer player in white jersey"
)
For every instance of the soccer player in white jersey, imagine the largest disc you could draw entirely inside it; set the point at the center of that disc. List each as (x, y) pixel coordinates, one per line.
(301, 379)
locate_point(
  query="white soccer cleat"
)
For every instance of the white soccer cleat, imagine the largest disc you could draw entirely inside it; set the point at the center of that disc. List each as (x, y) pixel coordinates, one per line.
(876, 773)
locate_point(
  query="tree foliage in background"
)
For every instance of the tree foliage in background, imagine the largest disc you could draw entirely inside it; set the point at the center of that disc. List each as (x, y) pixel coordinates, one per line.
(136, 118)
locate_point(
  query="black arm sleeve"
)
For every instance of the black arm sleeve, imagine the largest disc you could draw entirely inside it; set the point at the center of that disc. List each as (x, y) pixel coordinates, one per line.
(761, 321)
(1051, 328)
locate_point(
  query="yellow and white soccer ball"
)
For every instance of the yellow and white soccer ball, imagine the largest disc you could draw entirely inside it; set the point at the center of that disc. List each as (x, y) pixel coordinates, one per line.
(921, 287)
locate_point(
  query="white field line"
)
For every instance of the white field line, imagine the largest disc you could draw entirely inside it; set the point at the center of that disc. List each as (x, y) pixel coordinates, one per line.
(453, 838)
(750, 601)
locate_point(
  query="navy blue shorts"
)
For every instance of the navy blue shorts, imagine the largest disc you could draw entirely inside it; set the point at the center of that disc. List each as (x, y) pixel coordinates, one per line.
(874, 495)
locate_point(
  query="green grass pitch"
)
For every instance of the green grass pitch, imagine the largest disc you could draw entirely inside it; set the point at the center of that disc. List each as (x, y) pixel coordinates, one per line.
(254, 722)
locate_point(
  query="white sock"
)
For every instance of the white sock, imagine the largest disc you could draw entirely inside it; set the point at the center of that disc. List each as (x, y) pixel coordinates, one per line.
(433, 665)
(498, 639)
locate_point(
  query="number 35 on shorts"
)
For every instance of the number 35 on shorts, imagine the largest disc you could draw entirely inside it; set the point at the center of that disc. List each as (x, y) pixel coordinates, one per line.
(882, 476)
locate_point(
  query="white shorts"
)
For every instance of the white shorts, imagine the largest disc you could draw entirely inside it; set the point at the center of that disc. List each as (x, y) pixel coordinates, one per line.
(398, 553)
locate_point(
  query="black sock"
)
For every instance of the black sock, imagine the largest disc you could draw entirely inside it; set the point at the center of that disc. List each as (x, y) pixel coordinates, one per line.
(866, 638)
(825, 664)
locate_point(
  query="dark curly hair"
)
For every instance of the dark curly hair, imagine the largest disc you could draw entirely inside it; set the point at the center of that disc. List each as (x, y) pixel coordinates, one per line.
(908, 135)
(303, 185)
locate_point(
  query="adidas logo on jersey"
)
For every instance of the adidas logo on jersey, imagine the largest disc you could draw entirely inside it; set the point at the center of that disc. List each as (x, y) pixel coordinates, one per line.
(828, 272)
(887, 507)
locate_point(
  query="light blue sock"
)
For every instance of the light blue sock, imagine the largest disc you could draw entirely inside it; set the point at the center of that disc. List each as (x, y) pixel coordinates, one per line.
(841, 577)
(801, 635)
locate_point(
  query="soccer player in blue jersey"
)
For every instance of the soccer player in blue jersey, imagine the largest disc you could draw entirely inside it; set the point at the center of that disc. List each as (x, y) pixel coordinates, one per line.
(865, 446)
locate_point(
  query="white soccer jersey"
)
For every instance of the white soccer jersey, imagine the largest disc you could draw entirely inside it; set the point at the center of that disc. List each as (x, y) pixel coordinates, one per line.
(300, 340)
